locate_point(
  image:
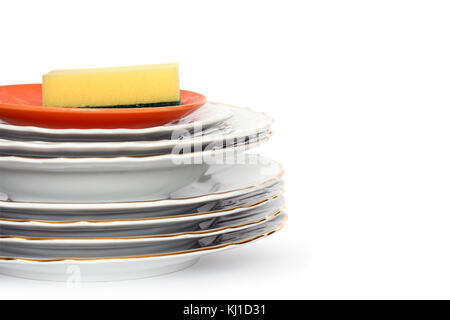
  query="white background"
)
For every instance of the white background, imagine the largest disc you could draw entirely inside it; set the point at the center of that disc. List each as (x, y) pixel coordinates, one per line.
(360, 94)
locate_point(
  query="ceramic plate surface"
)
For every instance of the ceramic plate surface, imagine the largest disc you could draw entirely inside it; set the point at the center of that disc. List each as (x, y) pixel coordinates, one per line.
(22, 105)
(212, 197)
(205, 117)
(165, 227)
(118, 179)
(125, 268)
(111, 248)
(244, 125)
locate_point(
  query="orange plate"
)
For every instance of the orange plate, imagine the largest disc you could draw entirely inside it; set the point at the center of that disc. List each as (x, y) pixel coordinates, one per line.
(22, 105)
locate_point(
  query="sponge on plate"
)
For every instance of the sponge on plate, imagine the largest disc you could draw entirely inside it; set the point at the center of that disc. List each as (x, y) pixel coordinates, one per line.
(136, 86)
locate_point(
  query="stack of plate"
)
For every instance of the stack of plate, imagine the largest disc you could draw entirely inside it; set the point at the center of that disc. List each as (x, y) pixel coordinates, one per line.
(115, 204)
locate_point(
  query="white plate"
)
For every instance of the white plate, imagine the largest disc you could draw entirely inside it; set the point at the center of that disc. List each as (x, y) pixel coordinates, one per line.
(166, 227)
(245, 125)
(118, 179)
(126, 268)
(225, 197)
(82, 248)
(208, 115)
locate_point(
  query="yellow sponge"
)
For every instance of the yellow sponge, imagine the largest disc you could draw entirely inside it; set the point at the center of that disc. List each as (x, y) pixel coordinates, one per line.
(136, 86)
